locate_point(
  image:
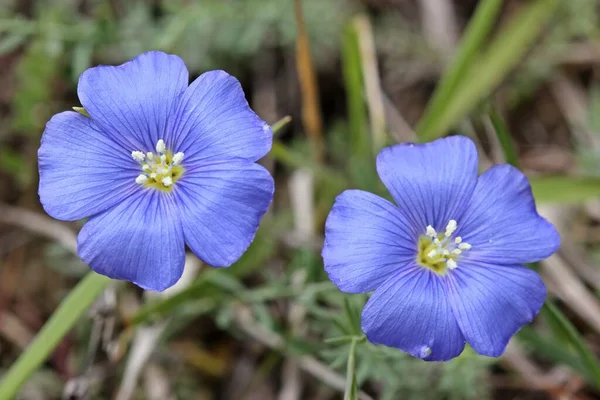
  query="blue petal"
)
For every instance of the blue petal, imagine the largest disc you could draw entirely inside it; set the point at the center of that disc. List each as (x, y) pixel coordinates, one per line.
(140, 240)
(221, 206)
(491, 303)
(410, 311)
(216, 123)
(135, 102)
(366, 241)
(82, 172)
(432, 182)
(501, 222)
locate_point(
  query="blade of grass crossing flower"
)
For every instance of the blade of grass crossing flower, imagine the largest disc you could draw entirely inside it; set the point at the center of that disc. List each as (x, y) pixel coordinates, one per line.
(63, 319)
(588, 359)
(564, 189)
(351, 392)
(506, 142)
(491, 67)
(360, 143)
(475, 35)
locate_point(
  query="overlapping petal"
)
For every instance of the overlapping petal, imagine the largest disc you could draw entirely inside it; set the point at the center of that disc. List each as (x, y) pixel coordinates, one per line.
(221, 205)
(82, 172)
(491, 303)
(410, 311)
(135, 102)
(215, 122)
(366, 241)
(139, 240)
(431, 183)
(501, 222)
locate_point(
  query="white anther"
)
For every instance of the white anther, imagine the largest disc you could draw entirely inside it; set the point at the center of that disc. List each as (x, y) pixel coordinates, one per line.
(177, 158)
(167, 181)
(163, 158)
(432, 253)
(451, 264)
(446, 252)
(153, 175)
(145, 167)
(138, 156)
(456, 251)
(464, 246)
(431, 232)
(160, 146)
(150, 156)
(457, 240)
(141, 179)
(450, 228)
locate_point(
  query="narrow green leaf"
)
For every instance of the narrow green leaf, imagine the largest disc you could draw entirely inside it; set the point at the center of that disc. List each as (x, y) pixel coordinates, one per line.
(588, 359)
(474, 37)
(564, 189)
(508, 147)
(360, 141)
(490, 69)
(63, 319)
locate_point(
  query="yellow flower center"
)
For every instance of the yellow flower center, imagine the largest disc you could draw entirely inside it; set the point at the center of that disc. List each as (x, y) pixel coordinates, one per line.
(440, 252)
(160, 170)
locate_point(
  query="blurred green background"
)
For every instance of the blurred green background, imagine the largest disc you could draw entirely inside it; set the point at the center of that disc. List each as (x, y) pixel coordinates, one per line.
(522, 78)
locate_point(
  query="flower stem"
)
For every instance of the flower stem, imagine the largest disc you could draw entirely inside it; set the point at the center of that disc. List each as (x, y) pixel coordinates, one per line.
(69, 311)
(351, 392)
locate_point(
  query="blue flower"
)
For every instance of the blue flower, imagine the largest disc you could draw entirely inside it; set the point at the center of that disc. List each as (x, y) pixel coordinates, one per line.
(159, 164)
(445, 262)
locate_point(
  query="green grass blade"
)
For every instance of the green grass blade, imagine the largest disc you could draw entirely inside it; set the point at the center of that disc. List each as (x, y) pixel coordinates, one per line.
(63, 319)
(485, 73)
(550, 312)
(360, 143)
(506, 142)
(475, 35)
(564, 189)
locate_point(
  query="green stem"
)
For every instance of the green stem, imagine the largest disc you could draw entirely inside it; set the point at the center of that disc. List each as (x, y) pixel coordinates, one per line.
(351, 392)
(63, 319)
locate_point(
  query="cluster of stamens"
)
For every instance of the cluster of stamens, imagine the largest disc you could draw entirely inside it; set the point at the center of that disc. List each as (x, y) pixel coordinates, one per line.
(441, 251)
(160, 170)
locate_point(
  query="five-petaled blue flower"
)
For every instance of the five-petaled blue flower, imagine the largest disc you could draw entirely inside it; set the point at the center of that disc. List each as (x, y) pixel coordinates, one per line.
(158, 164)
(445, 263)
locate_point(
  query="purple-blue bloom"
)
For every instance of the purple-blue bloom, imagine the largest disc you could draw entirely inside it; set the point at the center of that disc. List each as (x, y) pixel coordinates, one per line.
(445, 260)
(159, 164)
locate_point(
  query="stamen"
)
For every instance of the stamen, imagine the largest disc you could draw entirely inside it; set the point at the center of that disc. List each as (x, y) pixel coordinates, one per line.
(464, 246)
(431, 232)
(457, 251)
(432, 253)
(167, 181)
(451, 264)
(457, 240)
(177, 158)
(450, 228)
(163, 158)
(145, 167)
(160, 146)
(149, 156)
(141, 179)
(138, 156)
